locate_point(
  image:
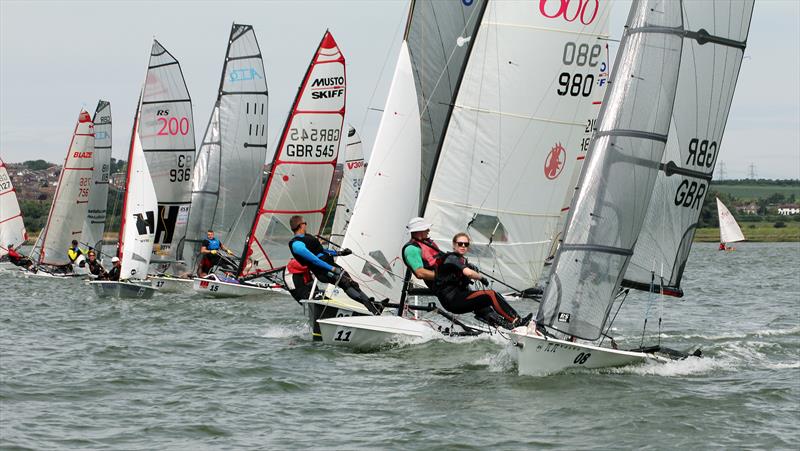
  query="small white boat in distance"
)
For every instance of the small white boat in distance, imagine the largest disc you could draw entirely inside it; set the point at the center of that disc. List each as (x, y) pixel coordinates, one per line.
(729, 230)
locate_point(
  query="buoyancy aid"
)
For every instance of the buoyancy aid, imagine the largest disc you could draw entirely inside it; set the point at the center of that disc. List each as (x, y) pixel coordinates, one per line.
(294, 267)
(73, 254)
(313, 245)
(213, 244)
(449, 275)
(431, 256)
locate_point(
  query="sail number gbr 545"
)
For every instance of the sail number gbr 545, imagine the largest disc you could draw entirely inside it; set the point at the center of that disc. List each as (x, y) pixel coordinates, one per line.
(312, 143)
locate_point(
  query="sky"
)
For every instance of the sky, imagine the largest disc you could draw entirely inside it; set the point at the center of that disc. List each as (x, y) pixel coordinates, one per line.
(57, 57)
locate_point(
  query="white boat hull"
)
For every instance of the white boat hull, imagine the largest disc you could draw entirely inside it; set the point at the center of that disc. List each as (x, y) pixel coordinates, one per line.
(537, 355)
(124, 290)
(374, 332)
(172, 284)
(219, 289)
(331, 308)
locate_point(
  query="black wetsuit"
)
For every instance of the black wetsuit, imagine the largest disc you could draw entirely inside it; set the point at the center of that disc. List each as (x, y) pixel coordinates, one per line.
(453, 291)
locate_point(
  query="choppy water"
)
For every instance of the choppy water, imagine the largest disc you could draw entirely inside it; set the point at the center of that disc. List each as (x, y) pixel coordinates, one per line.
(182, 373)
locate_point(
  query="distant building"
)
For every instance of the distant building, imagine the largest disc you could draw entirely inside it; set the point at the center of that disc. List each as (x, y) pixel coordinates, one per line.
(749, 209)
(789, 209)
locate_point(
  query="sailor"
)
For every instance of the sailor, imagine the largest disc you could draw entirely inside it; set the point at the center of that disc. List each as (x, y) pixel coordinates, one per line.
(298, 280)
(18, 259)
(420, 254)
(308, 251)
(452, 284)
(95, 268)
(115, 272)
(74, 253)
(209, 250)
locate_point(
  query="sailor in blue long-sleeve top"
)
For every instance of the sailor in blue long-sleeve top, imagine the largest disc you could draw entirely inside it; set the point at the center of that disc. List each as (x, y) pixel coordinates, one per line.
(307, 250)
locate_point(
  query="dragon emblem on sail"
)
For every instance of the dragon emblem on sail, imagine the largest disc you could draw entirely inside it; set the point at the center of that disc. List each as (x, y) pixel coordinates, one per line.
(554, 162)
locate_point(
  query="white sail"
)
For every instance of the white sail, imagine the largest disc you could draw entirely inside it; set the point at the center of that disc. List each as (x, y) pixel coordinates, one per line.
(609, 213)
(229, 168)
(137, 228)
(71, 199)
(515, 133)
(352, 177)
(95, 222)
(302, 170)
(714, 36)
(390, 193)
(729, 231)
(166, 130)
(12, 228)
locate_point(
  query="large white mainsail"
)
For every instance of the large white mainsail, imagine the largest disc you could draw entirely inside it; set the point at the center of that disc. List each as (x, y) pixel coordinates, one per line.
(625, 162)
(137, 226)
(514, 132)
(714, 35)
(71, 199)
(302, 170)
(166, 131)
(376, 232)
(95, 222)
(230, 163)
(729, 230)
(12, 228)
(352, 177)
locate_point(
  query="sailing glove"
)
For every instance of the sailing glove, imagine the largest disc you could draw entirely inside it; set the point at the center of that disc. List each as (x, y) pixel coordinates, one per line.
(335, 272)
(485, 281)
(344, 252)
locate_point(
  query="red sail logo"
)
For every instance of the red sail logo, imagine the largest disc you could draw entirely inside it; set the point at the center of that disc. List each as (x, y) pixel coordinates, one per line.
(554, 163)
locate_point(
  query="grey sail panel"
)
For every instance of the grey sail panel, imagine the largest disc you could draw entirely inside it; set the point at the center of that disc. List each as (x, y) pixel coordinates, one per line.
(230, 162)
(716, 33)
(438, 35)
(94, 225)
(166, 131)
(614, 192)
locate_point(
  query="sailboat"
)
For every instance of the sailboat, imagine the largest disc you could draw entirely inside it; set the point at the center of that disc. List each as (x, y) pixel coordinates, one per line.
(488, 148)
(94, 224)
(300, 176)
(12, 227)
(69, 208)
(227, 176)
(137, 225)
(633, 218)
(166, 132)
(729, 230)
(352, 178)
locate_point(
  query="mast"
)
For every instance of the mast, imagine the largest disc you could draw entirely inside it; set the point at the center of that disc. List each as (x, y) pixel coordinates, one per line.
(229, 168)
(303, 166)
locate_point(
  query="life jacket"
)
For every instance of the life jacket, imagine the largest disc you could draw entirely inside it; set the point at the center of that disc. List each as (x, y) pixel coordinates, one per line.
(432, 256)
(213, 244)
(73, 254)
(294, 267)
(313, 245)
(449, 276)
